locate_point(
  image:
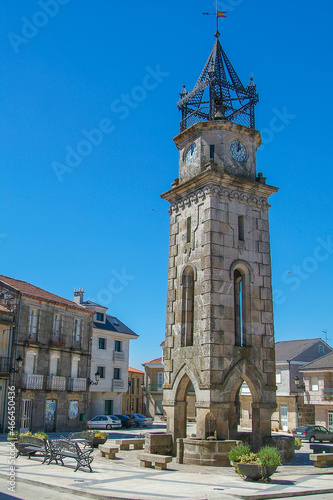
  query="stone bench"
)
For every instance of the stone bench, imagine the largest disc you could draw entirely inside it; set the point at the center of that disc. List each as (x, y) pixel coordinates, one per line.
(124, 444)
(108, 451)
(160, 461)
(321, 459)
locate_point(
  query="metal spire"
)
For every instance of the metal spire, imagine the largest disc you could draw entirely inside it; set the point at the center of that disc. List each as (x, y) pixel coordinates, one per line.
(218, 93)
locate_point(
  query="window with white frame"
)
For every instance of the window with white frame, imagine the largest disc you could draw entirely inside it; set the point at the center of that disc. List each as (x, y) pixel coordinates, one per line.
(160, 380)
(54, 361)
(99, 317)
(57, 325)
(101, 371)
(101, 343)
(278, 377)
(33, 323)
(30, 362)
(314, 384)
(75, 366)
(77, 331)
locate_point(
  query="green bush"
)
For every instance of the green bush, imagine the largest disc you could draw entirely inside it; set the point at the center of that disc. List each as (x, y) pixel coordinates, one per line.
(269, 456)
(238, 451)
(298, 443)
(12, 435)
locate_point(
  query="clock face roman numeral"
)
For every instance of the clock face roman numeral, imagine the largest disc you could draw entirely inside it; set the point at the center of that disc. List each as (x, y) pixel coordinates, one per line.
(238, 151)
(191, 154)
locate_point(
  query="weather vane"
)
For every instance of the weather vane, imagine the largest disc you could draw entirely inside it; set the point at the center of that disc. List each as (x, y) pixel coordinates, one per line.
(218, 14)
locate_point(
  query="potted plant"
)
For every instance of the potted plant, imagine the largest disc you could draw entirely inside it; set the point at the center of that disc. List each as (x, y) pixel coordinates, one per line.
(255, 466)
(41, 435)
(12, 435)
(298, 443)
(99, 437)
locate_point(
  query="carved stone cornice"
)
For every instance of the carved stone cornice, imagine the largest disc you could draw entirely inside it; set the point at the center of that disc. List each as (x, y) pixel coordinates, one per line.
(224, 193)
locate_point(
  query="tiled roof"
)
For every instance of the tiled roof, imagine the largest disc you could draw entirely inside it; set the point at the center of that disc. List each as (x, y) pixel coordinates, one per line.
(113, 324)
(134, 370)
(162, 344)
(287, 349)
(28, 289)
(320, 363)
(153, 362)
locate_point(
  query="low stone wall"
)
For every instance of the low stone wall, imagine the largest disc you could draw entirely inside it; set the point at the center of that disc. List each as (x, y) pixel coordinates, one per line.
(202, 452)
(159, 443)
(285, 445)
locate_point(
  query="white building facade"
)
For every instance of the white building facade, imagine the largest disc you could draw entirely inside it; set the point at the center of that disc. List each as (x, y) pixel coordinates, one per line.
(109, 358)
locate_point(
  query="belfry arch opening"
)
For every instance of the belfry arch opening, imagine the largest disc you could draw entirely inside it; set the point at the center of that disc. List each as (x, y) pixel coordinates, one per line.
(239, 307)
(187, 306)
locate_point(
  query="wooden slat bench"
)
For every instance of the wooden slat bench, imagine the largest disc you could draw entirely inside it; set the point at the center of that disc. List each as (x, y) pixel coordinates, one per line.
(160, 461)
(124, 444)
(321, 459)
(108, 451)
(61, 448)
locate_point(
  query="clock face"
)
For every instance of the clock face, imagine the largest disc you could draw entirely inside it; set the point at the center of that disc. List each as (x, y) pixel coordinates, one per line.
(191, 154)
(238, 151)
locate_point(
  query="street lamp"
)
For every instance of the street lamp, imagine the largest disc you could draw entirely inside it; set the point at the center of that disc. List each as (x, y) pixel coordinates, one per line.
(298, 385)
(19, 361)
(97, 377)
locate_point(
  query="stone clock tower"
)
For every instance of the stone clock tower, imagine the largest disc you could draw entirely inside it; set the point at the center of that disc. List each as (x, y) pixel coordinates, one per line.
(219, 327)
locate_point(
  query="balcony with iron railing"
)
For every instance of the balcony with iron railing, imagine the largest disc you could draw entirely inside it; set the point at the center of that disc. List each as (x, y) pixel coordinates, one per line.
(32, 381)
(327, 394)
(55, 383)
(77, 384)
(76, 344)
(4, 365)
(57, 340)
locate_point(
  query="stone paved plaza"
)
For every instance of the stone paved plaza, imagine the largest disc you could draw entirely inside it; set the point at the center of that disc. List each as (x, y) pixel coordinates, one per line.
(123, 478)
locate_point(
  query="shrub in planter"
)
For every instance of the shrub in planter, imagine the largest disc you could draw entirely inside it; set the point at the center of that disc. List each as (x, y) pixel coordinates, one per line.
(27, 433)
(99, 437)
(238, 451)
(255, 466)
(12, 435)
(298, 443)
(41, 435)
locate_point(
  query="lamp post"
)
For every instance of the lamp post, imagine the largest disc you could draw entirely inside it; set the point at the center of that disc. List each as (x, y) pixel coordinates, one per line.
(97, 377)
(19, 362)
(144, 395)
(299, 387)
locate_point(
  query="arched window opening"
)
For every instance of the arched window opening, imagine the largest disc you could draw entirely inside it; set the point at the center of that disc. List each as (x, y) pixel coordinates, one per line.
(187, 307)
(239, 305)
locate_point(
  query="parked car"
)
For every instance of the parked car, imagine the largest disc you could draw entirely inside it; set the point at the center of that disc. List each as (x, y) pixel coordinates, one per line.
(313, 433)
(140, 419)
(126, 421)
(104, 422)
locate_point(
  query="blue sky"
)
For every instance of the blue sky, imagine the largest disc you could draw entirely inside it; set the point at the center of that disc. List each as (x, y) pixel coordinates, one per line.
(95, 219)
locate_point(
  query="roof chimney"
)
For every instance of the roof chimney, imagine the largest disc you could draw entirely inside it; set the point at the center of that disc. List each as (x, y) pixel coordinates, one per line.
(78, 295)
